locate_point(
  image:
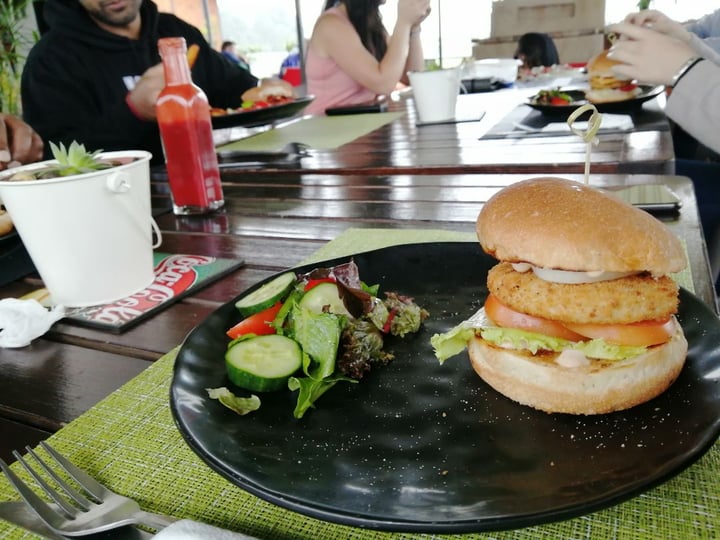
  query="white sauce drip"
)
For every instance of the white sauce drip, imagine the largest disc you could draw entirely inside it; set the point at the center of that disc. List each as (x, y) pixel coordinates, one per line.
(571, 358)
(569, 276)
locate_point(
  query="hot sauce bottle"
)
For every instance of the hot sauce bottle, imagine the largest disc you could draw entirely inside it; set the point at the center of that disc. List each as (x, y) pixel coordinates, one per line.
(183, 115)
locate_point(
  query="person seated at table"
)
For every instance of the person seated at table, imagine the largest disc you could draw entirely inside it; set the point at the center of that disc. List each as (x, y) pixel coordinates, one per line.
(351, 57)
(653, 54)
(227, 49)
(536, 49)
(19, 143)
(95, 75)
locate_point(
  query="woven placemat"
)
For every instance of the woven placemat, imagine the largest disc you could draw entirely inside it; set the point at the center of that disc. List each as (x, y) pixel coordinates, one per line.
(129, 442)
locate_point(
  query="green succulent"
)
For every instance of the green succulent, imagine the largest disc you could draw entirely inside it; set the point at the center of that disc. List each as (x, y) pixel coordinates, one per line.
(70, 161)
(75, 159)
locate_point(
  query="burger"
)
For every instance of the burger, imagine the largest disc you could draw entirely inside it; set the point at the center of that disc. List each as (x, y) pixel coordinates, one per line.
(6, 224)
(580, 312)
(605, 86)
(270, 90)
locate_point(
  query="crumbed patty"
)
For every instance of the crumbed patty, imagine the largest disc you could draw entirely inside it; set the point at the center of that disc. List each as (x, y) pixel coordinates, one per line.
(619, 301)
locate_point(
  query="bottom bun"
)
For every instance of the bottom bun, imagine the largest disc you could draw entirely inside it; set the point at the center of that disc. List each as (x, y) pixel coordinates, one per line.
(610, 95)
(541, 383)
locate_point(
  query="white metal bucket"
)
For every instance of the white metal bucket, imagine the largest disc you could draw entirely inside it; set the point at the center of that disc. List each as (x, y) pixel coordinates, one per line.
(89, 235)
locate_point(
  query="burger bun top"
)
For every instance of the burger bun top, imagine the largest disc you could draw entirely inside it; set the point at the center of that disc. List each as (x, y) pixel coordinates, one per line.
(601, 66)
(266, 89)
(560, 224)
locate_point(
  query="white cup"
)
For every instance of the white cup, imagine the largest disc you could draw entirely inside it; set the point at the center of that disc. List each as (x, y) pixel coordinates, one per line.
(435, 93)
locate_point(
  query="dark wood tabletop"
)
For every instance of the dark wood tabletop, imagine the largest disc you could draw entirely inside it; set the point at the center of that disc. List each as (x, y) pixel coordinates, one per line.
(471, 147)
(272, 223)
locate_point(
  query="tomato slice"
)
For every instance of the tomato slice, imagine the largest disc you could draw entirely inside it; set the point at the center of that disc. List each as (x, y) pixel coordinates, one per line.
(507, 317)
(258, 323)
(643, 334)
(555, 100)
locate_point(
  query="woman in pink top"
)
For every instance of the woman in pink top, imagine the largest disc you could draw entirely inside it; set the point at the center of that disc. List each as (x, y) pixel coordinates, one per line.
(351, 58)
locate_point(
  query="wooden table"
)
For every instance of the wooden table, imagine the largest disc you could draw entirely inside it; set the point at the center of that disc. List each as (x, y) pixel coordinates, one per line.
(402, 146)
(272, 222)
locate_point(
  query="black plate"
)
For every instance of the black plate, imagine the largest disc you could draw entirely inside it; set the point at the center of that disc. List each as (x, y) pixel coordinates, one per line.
(428, 448)
(259, 117)
(619, 107)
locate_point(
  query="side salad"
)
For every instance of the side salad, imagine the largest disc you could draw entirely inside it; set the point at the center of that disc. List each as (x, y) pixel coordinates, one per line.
(553, 97)
(306, 333)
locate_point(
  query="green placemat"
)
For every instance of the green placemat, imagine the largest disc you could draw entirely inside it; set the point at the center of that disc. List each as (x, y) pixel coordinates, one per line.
(129, 441)
(318, 132)
(359, 240)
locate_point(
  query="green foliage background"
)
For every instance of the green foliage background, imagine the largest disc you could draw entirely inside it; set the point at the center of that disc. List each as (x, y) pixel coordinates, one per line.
(16, 40)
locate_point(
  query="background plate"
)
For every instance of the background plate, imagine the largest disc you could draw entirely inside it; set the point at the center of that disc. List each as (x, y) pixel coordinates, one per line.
(618, 107)
(258, 117)
(427, 448)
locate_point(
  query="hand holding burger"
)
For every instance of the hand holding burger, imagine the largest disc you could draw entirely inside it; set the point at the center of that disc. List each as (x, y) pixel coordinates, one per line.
(659, 22)
(646, 55)
(580, 312)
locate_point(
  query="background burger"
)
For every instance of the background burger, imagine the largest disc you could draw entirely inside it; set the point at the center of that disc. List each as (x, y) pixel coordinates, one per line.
(269, 90)
(605, 87)
(580, 313)
(6, 224)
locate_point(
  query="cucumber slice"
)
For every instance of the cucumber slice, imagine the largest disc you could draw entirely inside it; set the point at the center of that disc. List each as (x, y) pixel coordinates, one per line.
(267, 295)
(324, 294)
(263, 363)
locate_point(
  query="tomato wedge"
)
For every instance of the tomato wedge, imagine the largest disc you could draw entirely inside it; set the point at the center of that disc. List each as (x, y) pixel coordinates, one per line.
(507, 317)
(258, 323)
(643, 334)
(312, 283)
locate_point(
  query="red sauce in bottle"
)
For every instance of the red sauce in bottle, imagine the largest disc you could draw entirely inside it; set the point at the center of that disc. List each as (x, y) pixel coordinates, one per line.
(183, 115)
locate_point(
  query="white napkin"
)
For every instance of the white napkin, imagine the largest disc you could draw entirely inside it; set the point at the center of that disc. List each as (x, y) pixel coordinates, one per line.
(614, 122)
(21, 321)
(186, 529)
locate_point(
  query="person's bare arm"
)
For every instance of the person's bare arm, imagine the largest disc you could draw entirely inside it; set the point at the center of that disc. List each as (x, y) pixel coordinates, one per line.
(332, 39)
(18, 142)
(416, 56)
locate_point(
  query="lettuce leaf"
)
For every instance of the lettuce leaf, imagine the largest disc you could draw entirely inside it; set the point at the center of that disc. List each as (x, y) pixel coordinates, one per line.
(319, 336)
(455, 341)
(242, 406)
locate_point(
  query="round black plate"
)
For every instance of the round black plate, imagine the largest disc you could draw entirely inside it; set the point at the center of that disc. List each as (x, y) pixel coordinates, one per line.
(427, 448)
(618, 107)
(259, 117)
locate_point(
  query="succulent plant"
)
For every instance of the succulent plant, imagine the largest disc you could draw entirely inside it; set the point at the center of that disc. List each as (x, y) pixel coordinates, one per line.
(70, 161)
(76, 160)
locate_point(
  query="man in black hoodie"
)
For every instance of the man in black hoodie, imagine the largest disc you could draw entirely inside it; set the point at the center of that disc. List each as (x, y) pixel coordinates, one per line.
(95, 75)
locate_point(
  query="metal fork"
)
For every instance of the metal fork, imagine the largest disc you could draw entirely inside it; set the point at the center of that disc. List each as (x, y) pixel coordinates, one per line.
(75, 514)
